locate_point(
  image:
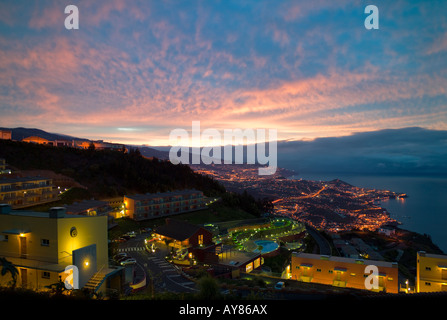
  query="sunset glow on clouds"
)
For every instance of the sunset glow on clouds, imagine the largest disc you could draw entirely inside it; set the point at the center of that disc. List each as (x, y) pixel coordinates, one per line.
(135, 70)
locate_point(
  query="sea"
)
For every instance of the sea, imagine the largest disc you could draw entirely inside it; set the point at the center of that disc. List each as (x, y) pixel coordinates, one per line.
(424, 210)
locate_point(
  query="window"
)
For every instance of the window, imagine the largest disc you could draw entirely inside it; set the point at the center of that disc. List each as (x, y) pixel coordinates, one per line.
(4, 238)
(45, 242)
(428, 284)
(45, 275)
(427, 268)
(331, 271)
(200, 239)
(318, 270)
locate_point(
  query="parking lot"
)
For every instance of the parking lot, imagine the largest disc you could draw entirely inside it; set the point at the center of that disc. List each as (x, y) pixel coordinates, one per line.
(160, 274)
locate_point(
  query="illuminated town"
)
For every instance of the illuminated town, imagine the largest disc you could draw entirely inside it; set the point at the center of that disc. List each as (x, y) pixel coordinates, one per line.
(334, 206)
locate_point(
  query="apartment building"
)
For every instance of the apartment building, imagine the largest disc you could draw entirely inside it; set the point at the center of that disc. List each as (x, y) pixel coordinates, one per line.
(3, 169)
(21, 192)
(99, 145)
(156, 205)
(431, 272)
(343, 272)
(5, 134)
(41, 245)
(93, 208)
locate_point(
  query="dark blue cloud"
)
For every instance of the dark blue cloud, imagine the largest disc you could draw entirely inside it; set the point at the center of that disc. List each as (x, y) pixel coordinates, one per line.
(413, 151)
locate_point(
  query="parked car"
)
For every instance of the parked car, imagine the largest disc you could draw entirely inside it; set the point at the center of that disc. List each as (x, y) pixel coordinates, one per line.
(279, 285)
(124, 238)
(121, 259)
(128, 261)
(119, 256)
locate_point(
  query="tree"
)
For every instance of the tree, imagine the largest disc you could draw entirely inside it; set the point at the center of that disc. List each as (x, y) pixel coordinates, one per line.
(91, 146)
(208, 288)
(8, 267)
(260, 249)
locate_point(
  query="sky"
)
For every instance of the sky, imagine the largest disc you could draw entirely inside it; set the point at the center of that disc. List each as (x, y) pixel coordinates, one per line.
(136, 70)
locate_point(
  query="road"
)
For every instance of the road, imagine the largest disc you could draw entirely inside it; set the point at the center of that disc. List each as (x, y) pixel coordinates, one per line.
(323, 244)
(161, 274)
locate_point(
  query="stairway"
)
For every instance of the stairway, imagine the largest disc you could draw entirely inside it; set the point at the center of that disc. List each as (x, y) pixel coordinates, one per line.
(95, 281)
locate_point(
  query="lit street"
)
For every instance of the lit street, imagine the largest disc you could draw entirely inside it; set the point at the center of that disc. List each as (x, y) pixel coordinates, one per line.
(161, 274)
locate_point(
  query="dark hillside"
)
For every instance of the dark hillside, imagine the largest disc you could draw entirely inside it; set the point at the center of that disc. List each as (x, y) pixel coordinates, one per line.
(108, 173)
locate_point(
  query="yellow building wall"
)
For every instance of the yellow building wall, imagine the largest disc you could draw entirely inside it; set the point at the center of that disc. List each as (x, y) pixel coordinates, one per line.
(129, 207)
(40, 269)
(431, 273)
(40, 228)
(89, 230)
(349, 274)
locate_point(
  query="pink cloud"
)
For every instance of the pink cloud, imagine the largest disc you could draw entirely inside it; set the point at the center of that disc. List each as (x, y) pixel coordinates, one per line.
(52, 16)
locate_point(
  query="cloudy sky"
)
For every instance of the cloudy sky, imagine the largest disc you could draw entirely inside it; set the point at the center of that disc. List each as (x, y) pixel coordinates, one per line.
(135, 70)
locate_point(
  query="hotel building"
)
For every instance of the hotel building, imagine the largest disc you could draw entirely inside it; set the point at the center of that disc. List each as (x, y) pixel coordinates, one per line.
(42, 244)
(40, 140)
(5, 134)
(3, 169)
(99, 145)
(197, 243)
(431, 272)
(343, 272)
(156, 205)
(93, 208)
(26, 192)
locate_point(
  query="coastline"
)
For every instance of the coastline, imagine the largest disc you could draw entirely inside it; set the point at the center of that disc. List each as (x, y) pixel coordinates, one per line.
(420, 211)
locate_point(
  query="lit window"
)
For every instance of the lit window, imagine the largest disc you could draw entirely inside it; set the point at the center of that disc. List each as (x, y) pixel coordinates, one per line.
(200, 239)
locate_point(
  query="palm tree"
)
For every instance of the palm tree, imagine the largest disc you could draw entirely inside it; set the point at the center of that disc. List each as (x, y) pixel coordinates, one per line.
(8, 267)
(260, 249)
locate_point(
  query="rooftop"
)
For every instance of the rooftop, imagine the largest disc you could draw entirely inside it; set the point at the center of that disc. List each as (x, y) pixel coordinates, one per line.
(236, 258)
(178, 229)
(22, 179)
(432, 255)
(55, 212)
(162, 195)
(343, 259)
(78, 207)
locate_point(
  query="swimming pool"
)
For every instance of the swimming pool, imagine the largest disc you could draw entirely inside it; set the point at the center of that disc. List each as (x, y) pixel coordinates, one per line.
(267, 246)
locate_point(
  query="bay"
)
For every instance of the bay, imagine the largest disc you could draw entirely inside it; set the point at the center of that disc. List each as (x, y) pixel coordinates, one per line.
(425, 209)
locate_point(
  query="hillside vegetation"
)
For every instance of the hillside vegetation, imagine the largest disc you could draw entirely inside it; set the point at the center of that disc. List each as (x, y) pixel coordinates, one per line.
(109, 174)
